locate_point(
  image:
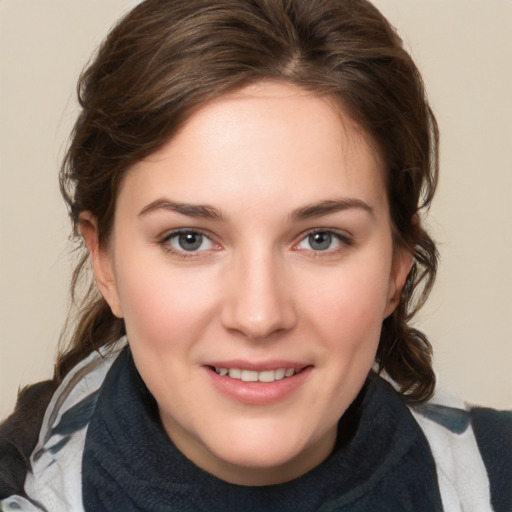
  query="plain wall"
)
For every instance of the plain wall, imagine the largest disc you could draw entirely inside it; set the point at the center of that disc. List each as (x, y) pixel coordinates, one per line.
(463, 47)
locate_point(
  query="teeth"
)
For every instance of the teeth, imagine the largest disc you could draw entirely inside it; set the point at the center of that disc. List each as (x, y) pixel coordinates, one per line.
(267, 376)
(280, 374)
(255, 376)
(235, 373)
(249, 376)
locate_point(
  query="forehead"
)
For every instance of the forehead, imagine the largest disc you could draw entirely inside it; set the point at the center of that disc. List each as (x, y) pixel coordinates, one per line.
(262, 141)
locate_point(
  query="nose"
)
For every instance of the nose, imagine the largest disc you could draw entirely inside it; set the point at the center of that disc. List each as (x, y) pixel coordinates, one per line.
(258, 300)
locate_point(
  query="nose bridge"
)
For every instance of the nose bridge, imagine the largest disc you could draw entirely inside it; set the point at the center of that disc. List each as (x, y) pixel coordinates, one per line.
(258, 302)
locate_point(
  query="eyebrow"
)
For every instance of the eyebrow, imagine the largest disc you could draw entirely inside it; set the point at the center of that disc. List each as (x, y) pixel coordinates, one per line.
(202, 211)
(327, 207)
(309, 211)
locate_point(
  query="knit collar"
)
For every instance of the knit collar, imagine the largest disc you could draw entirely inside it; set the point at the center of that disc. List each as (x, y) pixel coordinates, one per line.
(130, 464)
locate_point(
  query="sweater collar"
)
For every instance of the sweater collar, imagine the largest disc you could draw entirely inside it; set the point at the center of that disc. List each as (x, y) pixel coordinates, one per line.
(130, 464)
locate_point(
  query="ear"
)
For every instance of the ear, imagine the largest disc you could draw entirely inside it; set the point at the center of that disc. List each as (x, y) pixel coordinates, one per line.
(102, 262)
(400, 268)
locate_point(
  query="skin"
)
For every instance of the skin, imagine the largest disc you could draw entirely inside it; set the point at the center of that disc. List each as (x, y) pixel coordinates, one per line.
(258, 288)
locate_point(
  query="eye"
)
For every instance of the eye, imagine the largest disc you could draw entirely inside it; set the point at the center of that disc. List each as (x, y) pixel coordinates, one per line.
(190, 241)
(323, 241)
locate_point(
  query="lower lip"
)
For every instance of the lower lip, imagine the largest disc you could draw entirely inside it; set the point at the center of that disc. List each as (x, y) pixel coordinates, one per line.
(258, 393)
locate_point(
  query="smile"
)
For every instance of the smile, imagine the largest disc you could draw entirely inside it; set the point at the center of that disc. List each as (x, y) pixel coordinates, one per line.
(258, 384)
(256, 376)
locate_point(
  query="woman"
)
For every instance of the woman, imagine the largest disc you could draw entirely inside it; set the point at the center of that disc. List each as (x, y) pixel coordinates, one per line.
(248, 179)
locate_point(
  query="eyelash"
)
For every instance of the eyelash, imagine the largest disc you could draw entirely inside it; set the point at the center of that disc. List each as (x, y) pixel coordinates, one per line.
(165, 242)
(342, 237)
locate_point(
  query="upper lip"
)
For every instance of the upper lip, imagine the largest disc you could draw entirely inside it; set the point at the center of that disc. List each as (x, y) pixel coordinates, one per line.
(258, 365)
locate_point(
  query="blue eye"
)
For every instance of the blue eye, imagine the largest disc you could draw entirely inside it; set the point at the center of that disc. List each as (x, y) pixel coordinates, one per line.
(189, 241)
(323, 240)
(320, 241)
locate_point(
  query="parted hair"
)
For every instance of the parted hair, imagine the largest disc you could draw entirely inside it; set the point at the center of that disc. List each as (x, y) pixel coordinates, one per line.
(167, 58)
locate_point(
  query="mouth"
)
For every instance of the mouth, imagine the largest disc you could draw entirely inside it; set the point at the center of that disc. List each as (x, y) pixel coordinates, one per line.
(265, 376)
(258, 384)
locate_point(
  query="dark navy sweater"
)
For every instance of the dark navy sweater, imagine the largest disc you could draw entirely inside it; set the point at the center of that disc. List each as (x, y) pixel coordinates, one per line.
(381, 461)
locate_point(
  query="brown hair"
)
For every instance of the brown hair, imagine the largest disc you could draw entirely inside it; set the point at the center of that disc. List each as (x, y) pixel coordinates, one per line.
(166, 58)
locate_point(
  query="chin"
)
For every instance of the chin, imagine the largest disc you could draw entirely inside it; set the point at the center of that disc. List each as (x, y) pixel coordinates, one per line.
(258, 455)
(265, 456)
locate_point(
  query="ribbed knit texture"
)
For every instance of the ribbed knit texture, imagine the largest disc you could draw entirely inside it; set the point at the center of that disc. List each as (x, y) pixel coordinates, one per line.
(493, 430)
(381, 462)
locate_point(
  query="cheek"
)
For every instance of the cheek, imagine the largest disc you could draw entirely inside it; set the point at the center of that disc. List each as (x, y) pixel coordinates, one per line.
(354, 297)
(161, 303)
(345, 315)
(345, 311)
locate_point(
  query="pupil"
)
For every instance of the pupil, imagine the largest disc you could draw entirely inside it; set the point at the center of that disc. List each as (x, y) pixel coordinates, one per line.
(320, 241)
(190, 241)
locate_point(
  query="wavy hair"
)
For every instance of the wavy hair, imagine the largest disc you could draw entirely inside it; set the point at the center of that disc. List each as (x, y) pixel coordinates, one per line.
(167, 58)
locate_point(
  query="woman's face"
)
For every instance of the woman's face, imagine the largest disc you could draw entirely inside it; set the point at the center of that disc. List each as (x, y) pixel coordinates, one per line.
(252, 260)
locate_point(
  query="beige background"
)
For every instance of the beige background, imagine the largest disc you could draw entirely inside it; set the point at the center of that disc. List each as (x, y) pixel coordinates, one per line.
(464, 48)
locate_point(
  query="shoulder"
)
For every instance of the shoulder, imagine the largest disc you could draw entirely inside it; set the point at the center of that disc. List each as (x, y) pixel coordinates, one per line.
(472, 449)
(19, 434)
(51, 454)
(493, 433)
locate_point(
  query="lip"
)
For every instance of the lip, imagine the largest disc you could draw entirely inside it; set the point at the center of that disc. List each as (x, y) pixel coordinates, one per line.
(258, 393)
(274, 364)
